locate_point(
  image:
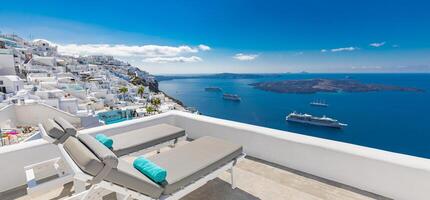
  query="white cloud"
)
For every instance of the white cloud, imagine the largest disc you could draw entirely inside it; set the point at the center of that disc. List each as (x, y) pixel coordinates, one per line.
(124, 50)
(172, 59)
(339, 49)
(204, 47)
(149, 53)
(344, 49)
(366, 67)
(245, 57)
(395, 45)
(377, 44)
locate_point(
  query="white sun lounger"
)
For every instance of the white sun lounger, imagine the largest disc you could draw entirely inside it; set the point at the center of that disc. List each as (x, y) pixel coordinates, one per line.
(125, 143)
(188, 167)
(136, 140)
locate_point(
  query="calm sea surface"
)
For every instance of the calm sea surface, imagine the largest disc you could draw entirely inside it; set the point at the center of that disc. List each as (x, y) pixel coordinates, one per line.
(393, 121)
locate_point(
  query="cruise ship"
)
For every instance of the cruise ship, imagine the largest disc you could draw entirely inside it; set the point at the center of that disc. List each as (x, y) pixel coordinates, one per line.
(231, 97)
(318, 103)
(318, 121)
(213, 89)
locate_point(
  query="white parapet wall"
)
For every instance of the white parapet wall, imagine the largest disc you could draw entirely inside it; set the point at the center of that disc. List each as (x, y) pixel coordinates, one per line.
(13, 159)
(36, 113)
(32, 114)
(385, 173)
(8, 117)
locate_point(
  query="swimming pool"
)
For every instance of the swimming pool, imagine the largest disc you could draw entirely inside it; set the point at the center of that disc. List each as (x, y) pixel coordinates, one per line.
(115, 116)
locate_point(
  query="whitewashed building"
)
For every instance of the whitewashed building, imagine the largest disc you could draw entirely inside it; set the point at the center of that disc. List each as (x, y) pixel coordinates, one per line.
(44, 48)
(11, 84)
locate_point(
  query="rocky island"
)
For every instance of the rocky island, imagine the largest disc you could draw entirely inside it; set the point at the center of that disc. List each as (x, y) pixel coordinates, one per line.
(309, 86)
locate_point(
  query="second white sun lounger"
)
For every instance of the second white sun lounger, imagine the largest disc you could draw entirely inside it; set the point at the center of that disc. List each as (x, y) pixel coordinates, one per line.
(136, 140)
(188, 167)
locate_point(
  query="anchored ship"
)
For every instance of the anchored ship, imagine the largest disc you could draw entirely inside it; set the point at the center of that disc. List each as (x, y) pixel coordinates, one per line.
(319, 103)
(213, 89)
(231, 97)
(318, 121)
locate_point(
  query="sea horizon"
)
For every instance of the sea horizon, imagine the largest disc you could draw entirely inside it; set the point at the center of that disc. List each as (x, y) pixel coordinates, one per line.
(262, 73)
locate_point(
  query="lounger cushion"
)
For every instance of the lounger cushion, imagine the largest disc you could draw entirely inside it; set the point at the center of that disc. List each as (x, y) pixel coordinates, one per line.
(54, 130)
(136, 140)
(126, 175)
(101, 151)
(67, 127)
(186, 164)
(83, 157)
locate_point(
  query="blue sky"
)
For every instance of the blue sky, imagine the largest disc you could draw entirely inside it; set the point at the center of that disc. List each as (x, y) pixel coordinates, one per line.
(234, 36)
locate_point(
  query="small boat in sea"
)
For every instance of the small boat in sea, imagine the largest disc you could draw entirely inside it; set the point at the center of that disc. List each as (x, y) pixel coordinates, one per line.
(318, 103)
(231, 97)
(213, 89)
(318, 121)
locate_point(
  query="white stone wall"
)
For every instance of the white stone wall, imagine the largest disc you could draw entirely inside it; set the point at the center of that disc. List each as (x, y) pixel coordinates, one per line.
(32, 114)
(7, 66)
(35, 113)
(7, 117)
(69, 105)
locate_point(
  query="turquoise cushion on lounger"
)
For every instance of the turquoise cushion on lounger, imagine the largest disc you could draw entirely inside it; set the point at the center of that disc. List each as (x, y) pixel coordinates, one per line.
(150, 169)
(105, 140)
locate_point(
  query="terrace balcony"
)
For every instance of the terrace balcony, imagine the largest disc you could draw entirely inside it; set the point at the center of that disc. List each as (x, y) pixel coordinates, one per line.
(279, 164)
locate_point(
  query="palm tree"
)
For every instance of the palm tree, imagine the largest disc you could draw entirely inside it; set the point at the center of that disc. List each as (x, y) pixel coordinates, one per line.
(140, 91)
(156, 102)
(150, 109)
(123, 90)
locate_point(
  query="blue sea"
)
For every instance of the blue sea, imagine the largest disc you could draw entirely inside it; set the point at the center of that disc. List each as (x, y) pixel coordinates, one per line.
(393, 121)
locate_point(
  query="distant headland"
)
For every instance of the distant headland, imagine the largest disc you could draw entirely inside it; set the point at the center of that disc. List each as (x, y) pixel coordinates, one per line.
(309, 86)
(217, 76)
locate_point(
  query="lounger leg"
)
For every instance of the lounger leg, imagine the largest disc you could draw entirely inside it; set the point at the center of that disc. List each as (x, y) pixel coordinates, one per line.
(233, 177)
(79, 186)
(173, 145)
(122, 196)
(175, 141)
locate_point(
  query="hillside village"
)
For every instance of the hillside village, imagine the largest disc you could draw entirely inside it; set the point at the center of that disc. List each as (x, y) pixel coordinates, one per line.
(36, 80)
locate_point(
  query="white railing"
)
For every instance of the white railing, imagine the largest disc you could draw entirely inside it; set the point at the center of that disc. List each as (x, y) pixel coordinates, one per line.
(389, 174)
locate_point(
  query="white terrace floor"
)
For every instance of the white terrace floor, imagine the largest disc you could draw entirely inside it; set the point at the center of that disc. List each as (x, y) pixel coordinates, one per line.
(256, 180)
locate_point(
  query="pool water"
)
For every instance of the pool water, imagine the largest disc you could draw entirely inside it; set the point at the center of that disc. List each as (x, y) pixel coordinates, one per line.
(115, 116)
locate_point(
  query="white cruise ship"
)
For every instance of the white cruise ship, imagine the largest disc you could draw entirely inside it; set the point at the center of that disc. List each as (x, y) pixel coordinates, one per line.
(231, 97)
(318, 103)
(318, 121)
(213, 89)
